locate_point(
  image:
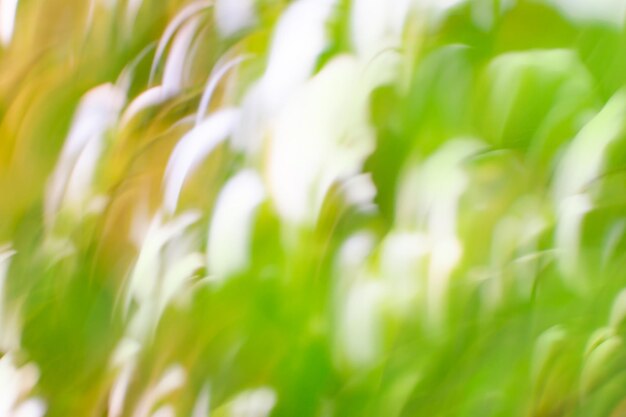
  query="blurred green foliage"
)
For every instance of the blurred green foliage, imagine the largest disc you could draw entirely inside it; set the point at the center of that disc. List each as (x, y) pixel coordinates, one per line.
(523, 304)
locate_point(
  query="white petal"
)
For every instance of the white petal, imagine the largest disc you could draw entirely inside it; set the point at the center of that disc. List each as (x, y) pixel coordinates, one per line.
(195, 146)
(446, 254)
(231, 225)
(186, 13)
(355, 250)
(571, 213)
(97, 112)
(132, 9)
(172, 380)
(250, 132)
(430, 201)
(119, 389)
(176, 276)
(8, 386)
(361, 321)
(291, 62)
(442, 182)
(292, 58)
(583, 159)
(611, 11)
(165, 411)
(202, 407)
(81, 179)
(33, 407)
(232, 16)
(5, 261)
(125, 352)
(214, 79)
(149, 98)
(253, 403)
(402, 259)
(147, 270)
(318, 138)
(438, 7)
(15, 383)
(10, 328)
(8, 11)
(173, 74)
(377, 25)
(359, 190)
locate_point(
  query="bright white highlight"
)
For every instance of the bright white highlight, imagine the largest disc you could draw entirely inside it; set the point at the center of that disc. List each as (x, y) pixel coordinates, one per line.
(231, 16)
(610, 11)
(15, 384)
(194, 147)
(97, 112)
(377, 25)
(253, 403)
(568, 233)
(184, 15)
(318, 138)
(8, 11)
(173, 379)
(583, 159)
(231, 226)
(291, 62)
(216, 76)
(361, 321)
(158, 275)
